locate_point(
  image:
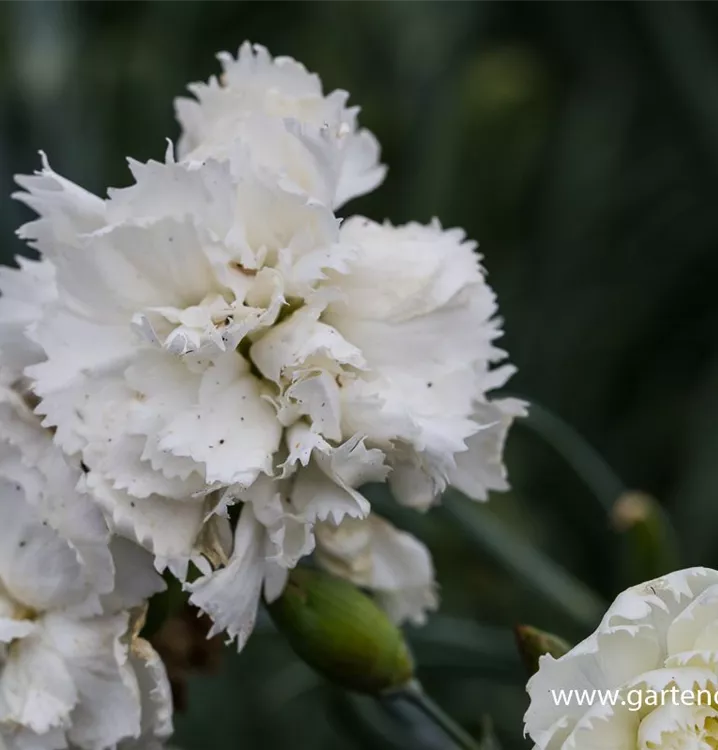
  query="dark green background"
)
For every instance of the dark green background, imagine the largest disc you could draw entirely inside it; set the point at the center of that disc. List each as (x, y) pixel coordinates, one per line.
(578, 142)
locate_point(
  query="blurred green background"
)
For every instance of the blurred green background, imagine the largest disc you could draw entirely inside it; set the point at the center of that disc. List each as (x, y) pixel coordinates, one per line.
(578, 142)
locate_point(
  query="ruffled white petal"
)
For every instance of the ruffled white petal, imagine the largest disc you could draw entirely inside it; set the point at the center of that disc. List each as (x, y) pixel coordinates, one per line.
(108, 709)
(289, 534)
(480, 468)
(38, 568)
(231, 430)
(169, 529)
(29, 459)
(135, 579)
(325, 484)
(230, 596)
(156, 695)
(65, 210)
(37, 690)
(276, 107)
(24, 293)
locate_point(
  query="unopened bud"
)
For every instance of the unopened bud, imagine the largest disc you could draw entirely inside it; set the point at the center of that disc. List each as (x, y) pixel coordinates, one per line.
(342, 633)
(534, 643)
(650, 543)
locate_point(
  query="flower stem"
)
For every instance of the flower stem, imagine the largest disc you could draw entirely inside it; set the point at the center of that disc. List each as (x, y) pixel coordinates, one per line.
(414, 693)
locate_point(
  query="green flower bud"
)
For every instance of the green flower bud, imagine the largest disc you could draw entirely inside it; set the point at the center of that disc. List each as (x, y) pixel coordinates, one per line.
(533, 643)
(340, 632)
(649, 542)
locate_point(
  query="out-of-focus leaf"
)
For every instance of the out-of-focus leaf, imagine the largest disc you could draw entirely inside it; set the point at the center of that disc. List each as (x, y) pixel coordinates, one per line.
(366, 722)
(529, 564)
(688, 54)
(463, 646)
(694, 505)
(590, 466)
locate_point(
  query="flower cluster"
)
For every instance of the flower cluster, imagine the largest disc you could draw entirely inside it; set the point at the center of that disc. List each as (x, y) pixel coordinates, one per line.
(220, 364)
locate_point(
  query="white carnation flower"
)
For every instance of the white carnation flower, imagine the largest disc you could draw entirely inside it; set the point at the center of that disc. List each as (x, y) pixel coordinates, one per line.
(392, 564)
(279, 111)
(656, 641)
(211, 335)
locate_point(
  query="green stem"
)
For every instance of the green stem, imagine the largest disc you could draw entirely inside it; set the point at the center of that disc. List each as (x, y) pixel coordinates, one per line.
(415, 694)
(583, 458)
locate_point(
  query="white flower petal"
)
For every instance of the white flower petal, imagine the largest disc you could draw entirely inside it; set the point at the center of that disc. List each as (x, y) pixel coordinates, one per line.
(37, 567)
(135, 577)
(12, 629)
(66, 211)
(278, 109)
(168, 528)
(232, 430)
(325, 489)
(480, 469)
(314, 394)
(108, 708)
(361, 172)
(36, 690)
(29, 458)
(317, 497)
(230, 596)
(21, 738)
(25, 292)
(656, 728)
(289, 536)
(85, 361)
(297, 339)
(155, 692)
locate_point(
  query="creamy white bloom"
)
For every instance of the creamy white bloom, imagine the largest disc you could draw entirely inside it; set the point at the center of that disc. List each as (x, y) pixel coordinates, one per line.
(659, 636)
(277, 108)
(211, 336)
(393, 564)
